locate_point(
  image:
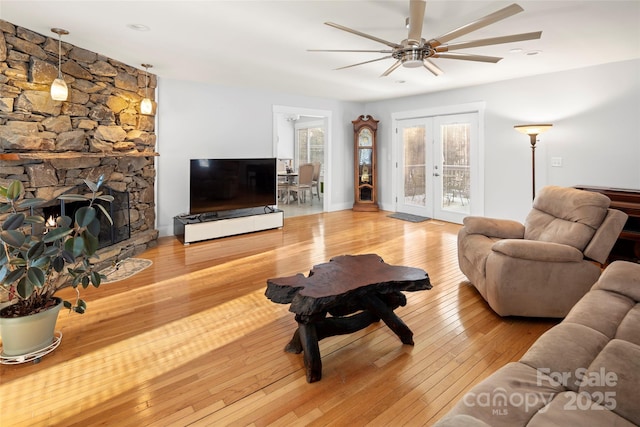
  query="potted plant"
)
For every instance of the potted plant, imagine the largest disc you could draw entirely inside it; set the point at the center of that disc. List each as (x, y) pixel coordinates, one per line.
(33, 268)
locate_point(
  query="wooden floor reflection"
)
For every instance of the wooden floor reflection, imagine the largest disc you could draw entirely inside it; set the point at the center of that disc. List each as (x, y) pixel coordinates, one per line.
(192, 340)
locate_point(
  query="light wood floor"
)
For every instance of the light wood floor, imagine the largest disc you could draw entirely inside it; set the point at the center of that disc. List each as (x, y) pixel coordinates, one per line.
(193, 341)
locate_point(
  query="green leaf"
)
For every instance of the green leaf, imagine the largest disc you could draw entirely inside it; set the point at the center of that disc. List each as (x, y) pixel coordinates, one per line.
(94, 227)
(104, 211)
(64, 221)
(106, 198)
(13, 238)
(74, 198)
(67, 255)
(81, 307)
(15, 275)
(35, 276)
(67, 304)
(13, 221)
(24, 288)
(41, 262)
(28, 203)
(57, 234)
(58, 264)
(96, 278)
(35, 219)
(90, 243)
(92, 185)
(36, 250)
(85, 215)
(14, 190)
(77, 245)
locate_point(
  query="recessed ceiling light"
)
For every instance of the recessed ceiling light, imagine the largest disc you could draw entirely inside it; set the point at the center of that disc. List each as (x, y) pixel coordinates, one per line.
(516, 50)
(533, 52)
(138, 27)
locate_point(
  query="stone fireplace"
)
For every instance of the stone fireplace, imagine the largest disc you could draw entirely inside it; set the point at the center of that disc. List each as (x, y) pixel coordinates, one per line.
(52, 146)
(111, 232)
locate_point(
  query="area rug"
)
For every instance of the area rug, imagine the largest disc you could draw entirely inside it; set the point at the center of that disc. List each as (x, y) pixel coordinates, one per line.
(125, 269)
(408, 217)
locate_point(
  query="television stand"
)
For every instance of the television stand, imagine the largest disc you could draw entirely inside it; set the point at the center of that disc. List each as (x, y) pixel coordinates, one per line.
(213, 225)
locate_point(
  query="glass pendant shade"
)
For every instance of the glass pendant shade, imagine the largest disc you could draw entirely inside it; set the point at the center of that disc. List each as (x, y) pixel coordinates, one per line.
(145, 106)
(59, 90)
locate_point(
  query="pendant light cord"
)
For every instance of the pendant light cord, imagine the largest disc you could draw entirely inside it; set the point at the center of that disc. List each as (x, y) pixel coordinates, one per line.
(59, 56)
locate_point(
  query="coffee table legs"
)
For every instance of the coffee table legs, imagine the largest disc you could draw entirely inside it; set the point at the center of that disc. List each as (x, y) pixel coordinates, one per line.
(312, 329)
(382, 310)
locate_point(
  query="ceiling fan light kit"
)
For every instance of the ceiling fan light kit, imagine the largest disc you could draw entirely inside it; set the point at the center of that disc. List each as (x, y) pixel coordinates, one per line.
(415, 51)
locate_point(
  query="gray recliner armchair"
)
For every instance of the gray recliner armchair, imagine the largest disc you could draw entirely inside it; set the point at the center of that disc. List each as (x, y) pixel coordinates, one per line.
(543, 267)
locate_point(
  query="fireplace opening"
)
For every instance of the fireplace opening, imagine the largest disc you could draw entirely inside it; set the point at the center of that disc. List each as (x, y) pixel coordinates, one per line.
(109, 234)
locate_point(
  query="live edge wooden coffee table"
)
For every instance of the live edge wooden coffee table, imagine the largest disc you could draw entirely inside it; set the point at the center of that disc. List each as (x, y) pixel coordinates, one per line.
(356, 290)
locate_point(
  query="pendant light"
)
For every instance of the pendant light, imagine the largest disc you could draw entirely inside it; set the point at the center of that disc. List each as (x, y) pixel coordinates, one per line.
(59, 90)
(146, 107)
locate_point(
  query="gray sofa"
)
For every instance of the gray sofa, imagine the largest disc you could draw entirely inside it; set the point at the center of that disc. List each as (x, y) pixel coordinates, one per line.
(584, 371)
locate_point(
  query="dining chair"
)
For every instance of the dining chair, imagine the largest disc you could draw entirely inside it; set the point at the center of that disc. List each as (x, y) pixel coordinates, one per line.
(305, 179)
(315, 182)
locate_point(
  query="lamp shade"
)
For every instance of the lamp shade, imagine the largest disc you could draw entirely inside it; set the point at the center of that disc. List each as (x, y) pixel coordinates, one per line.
(533, 129)
(59, 90)
(146, 107)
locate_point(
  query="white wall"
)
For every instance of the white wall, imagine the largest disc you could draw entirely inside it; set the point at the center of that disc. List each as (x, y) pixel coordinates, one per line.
(595, 114)
(197, 120)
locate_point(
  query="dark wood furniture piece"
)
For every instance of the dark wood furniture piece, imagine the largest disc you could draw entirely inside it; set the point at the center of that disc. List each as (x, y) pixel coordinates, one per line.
(628, 201)
(365, 185)
(356, 290)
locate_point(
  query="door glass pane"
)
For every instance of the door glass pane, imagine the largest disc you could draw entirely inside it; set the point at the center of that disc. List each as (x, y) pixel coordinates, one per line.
(414, 166)
(456, 171)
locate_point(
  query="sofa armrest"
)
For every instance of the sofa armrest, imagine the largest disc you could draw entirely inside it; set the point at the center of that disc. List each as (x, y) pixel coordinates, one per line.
(494, 227)
(535, 250)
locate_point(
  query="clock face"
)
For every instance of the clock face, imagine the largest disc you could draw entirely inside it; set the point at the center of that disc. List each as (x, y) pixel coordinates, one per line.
(365, 138)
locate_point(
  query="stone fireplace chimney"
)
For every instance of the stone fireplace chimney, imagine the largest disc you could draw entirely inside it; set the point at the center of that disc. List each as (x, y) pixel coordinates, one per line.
(52, 146)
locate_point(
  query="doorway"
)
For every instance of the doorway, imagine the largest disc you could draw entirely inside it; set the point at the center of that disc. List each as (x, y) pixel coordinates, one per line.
(304, 136)
(437, 172)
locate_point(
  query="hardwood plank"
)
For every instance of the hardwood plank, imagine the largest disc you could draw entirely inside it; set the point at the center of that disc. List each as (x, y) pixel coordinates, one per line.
(192, 340)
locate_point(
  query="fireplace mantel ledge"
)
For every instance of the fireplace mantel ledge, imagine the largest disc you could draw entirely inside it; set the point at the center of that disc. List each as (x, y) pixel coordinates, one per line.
(39, 155)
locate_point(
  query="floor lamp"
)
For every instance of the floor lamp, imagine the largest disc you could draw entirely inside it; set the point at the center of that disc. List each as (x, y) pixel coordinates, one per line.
(533, 131)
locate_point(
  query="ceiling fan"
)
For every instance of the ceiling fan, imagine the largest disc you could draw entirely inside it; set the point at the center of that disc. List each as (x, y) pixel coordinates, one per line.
(416, 51)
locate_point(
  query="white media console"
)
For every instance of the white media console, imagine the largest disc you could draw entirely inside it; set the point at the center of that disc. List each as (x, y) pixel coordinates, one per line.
(194, 228)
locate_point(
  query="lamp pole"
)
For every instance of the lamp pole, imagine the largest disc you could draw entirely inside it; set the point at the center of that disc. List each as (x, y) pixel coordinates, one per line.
(533, 131)
(533, 164)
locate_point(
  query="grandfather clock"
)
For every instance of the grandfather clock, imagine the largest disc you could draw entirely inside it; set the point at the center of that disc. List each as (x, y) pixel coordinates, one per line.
(365, 186)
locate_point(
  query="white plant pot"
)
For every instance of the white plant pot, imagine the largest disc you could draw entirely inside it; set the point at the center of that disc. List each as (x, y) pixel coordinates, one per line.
(23, 335)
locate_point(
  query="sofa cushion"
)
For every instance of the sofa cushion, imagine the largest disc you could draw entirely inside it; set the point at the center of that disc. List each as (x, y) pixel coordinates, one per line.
(566, 215)
(613, 379)
(568, 409)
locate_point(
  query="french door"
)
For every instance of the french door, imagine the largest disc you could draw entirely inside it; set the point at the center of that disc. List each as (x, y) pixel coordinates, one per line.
(437, 166)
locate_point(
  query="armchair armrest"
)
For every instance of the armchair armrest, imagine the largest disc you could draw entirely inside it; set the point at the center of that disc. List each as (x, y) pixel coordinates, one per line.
(494, 227)
(535, 250)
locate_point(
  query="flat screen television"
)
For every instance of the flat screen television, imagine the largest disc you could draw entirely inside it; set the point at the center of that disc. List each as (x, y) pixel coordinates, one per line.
(229, 184)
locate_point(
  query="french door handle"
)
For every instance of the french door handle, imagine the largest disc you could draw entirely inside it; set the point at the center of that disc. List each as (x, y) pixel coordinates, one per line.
(436, 174)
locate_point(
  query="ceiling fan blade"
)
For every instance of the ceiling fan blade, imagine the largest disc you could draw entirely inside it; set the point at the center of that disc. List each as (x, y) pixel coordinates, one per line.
(362, 63)
(432, 67)
(490, 41)
(416, 18)
(349, 50)
(361, 34)
(391, 69)
(468, 57)
(477, 24)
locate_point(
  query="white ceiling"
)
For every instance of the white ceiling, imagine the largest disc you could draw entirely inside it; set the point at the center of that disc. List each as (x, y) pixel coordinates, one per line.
(263, 44)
